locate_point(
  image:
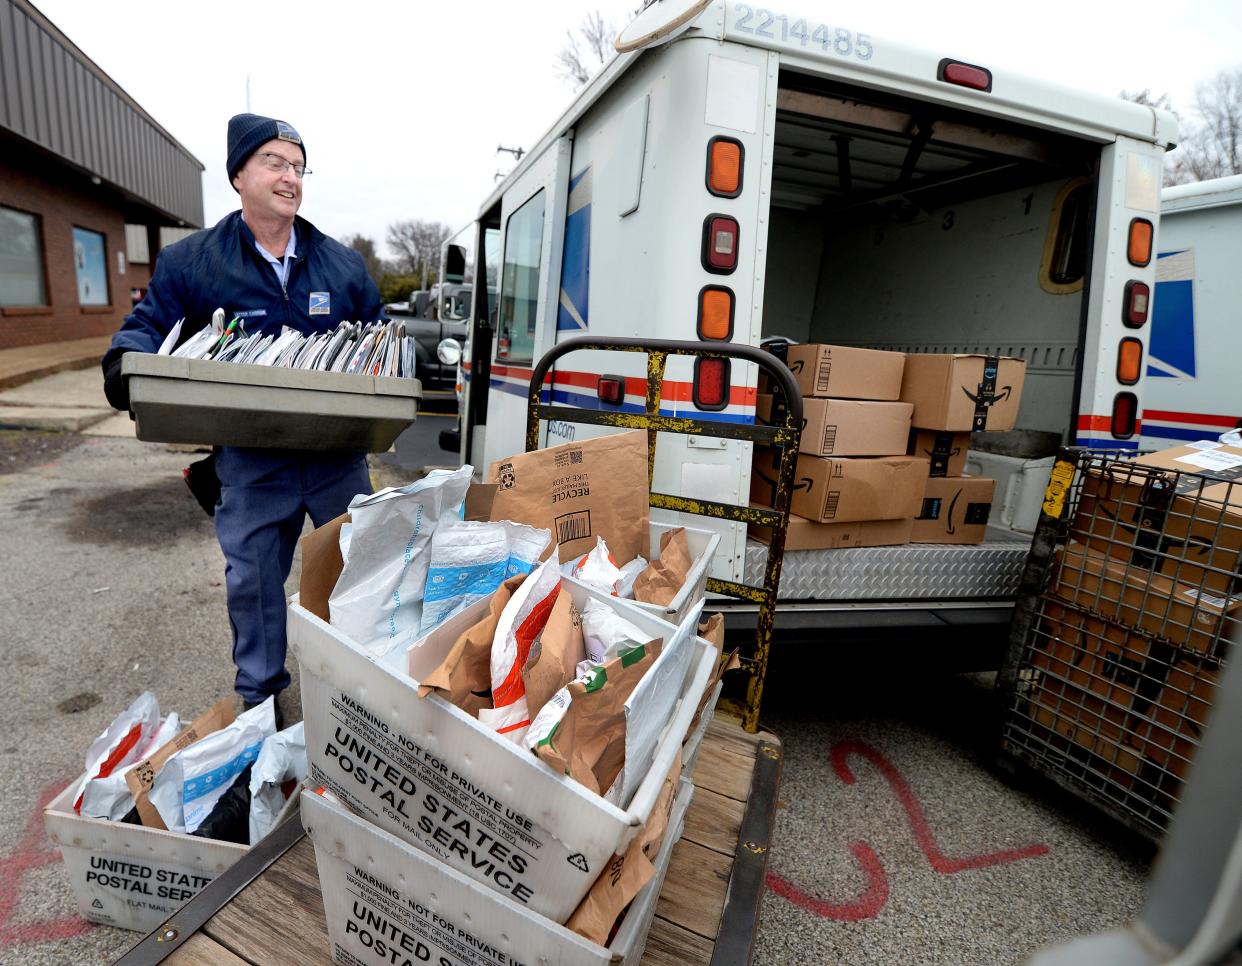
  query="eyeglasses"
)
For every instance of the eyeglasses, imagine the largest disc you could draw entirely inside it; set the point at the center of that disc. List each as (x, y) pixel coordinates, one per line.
(274, 162)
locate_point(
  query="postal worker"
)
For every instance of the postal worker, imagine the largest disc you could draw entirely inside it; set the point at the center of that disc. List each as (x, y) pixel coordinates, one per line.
(269, 268)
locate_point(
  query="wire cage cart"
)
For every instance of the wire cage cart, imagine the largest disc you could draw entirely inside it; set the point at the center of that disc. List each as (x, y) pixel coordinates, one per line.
(1121, 628)
(782, 435)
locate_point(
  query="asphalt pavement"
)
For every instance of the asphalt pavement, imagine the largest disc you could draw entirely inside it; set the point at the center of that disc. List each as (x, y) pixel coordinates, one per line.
(896, 840)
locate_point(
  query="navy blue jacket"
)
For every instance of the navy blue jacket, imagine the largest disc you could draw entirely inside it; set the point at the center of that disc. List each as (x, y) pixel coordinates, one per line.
(221, 268)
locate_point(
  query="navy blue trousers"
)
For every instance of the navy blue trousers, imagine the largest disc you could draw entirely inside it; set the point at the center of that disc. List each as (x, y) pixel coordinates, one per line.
(264, 498)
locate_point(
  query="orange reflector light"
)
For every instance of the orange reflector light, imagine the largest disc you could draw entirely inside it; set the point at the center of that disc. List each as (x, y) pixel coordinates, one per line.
(1125, 415)
(1141, 236)
(1129, 361)
(716, 313)
(724, 167)
(711, 383)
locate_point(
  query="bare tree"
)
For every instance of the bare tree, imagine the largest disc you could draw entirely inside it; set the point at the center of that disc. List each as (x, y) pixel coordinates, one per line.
(1212, 148)
(366, 248)
(586, 50)
(417, 246)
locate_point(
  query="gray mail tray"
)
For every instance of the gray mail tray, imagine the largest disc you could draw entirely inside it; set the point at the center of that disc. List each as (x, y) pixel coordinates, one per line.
(230, 404)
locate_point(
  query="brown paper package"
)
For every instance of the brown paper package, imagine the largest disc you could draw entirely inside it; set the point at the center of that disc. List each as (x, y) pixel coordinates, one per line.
(589, 742)
(625, 875)
(464, 677)
(664, 578)
(554, 658)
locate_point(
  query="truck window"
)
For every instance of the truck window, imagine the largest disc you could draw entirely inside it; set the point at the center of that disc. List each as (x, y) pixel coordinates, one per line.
(519, 282)
(1065, 253)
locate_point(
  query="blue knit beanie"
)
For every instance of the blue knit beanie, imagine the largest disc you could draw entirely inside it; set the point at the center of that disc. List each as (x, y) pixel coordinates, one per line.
(249, 132)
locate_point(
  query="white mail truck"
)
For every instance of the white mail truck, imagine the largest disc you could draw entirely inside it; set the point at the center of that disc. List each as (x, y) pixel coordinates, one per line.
(741, 172)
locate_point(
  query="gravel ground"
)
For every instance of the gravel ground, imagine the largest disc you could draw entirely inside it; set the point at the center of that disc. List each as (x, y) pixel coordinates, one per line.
(853, 880)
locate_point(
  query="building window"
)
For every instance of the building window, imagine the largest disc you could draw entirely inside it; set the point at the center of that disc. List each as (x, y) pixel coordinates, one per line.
(136, 245)
(21, 259)
(519, 282)
(90, 259)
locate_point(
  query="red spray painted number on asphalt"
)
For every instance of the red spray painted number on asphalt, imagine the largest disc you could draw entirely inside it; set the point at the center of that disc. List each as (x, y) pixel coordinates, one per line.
(31, 853)
(875, 893)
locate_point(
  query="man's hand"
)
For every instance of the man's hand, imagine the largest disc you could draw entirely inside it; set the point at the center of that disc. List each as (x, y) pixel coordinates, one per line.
(115, 387)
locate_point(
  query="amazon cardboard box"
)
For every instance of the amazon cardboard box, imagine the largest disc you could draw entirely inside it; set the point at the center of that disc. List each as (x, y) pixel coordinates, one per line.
(963, 393)
(845, 372)
(845, 490)
(1187, 528)
(955, 510)
(847, 427)
(1184, 616)
(804, 534)
(946, 451)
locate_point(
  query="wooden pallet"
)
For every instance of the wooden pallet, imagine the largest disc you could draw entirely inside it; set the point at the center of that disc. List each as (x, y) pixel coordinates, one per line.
(268, 909)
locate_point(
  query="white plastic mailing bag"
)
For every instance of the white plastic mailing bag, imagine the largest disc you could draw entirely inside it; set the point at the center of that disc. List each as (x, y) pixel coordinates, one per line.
(193, 779)
(378, 597)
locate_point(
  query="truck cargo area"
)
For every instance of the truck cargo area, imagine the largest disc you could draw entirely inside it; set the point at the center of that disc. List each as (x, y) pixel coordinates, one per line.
(907, 226)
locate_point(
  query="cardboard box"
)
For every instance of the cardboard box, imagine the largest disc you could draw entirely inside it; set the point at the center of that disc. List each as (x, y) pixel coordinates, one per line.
(963, 393)
(845, 490)
(1169, 732)
(803, 534)
(1110, 660)
(845, 372)
(419, 767)
(954, 510)
(130, 876)
(1183, 616)
(1088, 723)
(848, 427)
(379, 892)
(1187, 528)
(946, 451)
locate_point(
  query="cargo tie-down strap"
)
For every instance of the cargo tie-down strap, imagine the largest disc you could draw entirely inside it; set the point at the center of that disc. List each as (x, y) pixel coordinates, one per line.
(941, 452)
(987, 395)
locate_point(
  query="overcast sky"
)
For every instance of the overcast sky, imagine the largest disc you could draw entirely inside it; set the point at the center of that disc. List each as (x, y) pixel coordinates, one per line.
(402, 105)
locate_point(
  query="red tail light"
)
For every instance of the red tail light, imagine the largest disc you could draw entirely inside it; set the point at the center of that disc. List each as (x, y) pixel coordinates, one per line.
(964, 75)
(1125, 415)
(1137, 303)
(611, 390)
(720, 240)
(711, 383)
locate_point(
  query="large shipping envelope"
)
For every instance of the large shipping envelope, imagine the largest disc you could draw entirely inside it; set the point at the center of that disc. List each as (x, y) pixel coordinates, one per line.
(963, 393)
(847, 427)
(580, 491)
(1187, 528)
(845, 372)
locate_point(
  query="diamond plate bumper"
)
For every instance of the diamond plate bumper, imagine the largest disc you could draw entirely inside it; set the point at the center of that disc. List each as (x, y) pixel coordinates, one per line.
(988, 571)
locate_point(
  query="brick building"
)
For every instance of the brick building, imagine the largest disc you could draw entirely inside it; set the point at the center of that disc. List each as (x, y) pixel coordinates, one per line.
(90, 185)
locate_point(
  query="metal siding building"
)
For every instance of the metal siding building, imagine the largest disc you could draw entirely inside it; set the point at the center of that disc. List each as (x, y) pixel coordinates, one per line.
(82, 166)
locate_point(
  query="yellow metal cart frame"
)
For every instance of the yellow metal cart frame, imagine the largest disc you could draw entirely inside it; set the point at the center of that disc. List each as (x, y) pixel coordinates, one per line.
(784, 436)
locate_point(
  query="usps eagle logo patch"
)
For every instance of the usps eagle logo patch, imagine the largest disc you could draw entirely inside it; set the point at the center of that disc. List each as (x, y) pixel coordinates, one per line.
(286, 133)
(320, 303)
